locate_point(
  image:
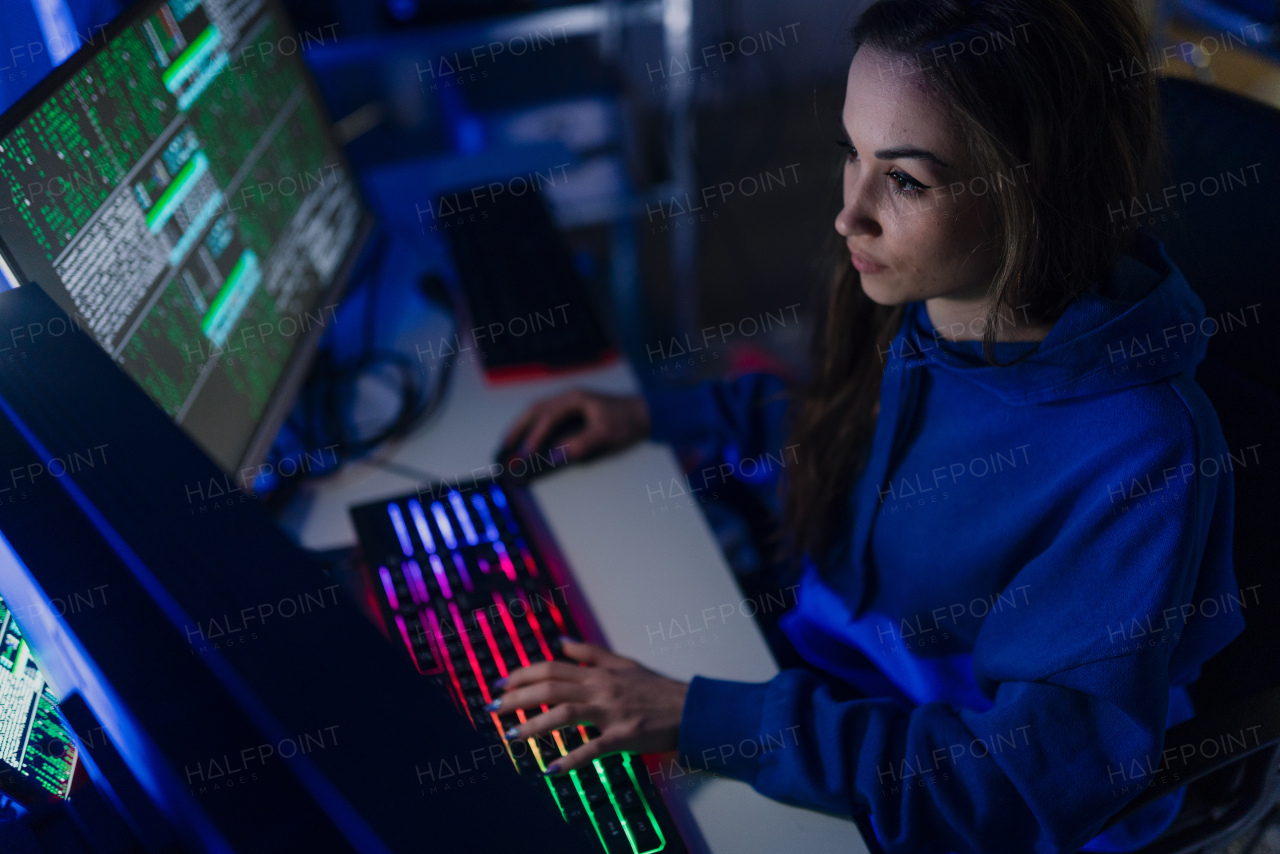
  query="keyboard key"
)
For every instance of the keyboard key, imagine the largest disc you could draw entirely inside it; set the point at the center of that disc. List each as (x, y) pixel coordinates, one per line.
(642, 831)
(548, 747)
(571, 737)
(615, 769)
(553, 641)
(525, 761)
(567, 794)
(615, 837)
(594, 791)
(508, 651)
(629, 799)
(547, 621)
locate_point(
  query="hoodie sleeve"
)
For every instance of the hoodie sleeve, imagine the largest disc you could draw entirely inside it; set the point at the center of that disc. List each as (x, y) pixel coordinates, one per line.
(739, 418)
(1078, 682)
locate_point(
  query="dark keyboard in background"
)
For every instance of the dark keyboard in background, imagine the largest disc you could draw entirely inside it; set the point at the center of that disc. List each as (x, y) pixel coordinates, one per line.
(519, 281)
(466, 591)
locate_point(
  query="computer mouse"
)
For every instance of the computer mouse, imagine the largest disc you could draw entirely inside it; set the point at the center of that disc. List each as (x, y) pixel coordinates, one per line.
(548, 457)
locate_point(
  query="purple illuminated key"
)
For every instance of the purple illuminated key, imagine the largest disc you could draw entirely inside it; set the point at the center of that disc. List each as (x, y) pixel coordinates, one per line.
(417, 587)
(389, 587)
(462, 571)
(437, 568)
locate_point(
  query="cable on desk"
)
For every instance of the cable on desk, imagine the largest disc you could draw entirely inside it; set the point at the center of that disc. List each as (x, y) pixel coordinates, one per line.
(320, 419)
(417, 475)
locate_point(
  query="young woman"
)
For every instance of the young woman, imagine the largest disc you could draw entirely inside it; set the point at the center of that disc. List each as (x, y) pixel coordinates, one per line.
(996, 494)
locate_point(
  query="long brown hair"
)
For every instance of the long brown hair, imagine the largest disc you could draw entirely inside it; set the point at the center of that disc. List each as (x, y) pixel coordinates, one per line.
(1049, 100)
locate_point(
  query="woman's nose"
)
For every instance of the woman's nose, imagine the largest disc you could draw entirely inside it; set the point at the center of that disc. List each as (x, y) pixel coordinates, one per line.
(857, 216)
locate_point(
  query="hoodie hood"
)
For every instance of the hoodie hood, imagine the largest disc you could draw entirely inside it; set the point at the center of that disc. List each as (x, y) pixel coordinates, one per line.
(1140, 323)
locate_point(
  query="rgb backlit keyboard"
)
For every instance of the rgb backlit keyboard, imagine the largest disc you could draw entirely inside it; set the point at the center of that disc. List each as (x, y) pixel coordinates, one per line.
(465, 589)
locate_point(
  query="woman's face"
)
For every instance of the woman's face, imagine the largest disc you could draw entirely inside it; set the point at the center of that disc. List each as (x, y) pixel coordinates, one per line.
(911, 205)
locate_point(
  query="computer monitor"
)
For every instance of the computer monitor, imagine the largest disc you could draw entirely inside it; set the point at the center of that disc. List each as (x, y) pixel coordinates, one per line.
(176, 186)
(37, 754)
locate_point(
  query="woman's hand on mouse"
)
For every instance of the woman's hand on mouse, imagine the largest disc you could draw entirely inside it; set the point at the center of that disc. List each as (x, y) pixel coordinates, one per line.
(634, 708)
(610, 422)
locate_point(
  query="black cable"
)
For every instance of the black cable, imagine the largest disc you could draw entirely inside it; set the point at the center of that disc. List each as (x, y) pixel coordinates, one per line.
(374, 285)
(320, 418)
(415, 474)
(335, 385)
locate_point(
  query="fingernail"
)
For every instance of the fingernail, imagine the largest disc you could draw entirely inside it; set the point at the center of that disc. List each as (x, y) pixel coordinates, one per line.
(494, 706)
(552, 768)
(514, 732)
(569, 638)
(500, 683)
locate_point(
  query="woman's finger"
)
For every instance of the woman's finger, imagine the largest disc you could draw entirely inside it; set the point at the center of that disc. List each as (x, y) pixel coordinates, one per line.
(584, 443)
(548, 417)
(580, 757)
(540, 672)
(565, 714)
(587, 653)
(540, 694)
(522, 423)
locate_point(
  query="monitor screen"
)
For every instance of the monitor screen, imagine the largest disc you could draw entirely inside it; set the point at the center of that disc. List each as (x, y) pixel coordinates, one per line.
(176, 187)
(37, 754)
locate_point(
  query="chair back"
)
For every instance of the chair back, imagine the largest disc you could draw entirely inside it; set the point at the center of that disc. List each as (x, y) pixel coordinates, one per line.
(1216, 211)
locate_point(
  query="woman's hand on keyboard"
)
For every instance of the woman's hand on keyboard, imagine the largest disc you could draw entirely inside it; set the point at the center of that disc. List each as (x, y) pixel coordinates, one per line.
(634, 708)
(604, 422)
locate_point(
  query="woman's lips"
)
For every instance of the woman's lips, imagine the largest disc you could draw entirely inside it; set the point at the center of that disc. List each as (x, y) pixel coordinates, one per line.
(863, 264)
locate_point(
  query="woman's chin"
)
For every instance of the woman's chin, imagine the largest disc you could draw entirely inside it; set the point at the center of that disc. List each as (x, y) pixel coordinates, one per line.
(880, 290)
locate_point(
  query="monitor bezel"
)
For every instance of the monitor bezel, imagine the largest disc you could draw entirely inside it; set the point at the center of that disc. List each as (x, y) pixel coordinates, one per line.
(285, 393)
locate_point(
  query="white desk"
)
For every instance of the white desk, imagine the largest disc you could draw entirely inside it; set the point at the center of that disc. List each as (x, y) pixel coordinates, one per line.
(638, 568)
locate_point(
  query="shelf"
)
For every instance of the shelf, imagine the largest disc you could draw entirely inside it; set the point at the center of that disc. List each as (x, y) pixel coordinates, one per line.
(565, 22)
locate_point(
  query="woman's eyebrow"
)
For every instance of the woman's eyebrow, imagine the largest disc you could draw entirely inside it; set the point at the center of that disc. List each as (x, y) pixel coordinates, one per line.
(909, 152)
(901, 152)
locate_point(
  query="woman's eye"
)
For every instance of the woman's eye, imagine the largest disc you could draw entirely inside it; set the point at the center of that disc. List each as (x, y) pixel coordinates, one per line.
(906, 185)
(851, 153)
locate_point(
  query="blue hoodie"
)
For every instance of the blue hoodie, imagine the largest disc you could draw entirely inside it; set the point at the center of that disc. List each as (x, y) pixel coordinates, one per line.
(1035, 563)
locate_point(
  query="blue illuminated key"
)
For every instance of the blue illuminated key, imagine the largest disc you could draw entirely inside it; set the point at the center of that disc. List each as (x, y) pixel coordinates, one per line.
(490, 529)
(442, 522)
(402, 533)
(420, 523)
(464, 518)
